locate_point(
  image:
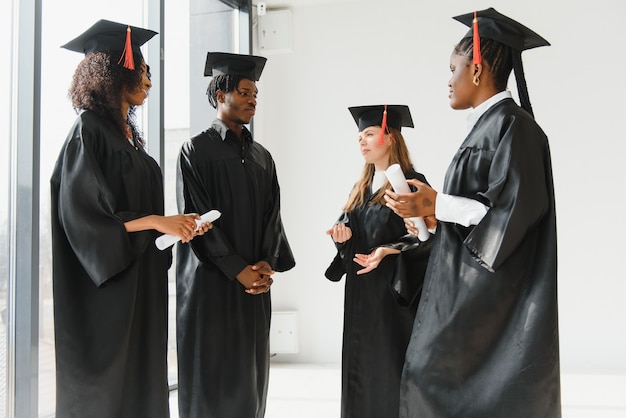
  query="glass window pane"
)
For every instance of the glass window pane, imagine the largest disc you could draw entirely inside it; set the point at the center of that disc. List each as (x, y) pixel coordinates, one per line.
(176, 125)
(5, 152)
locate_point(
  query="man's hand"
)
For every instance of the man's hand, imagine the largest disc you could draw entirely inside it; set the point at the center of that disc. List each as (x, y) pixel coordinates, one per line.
(263, 268)
(256, 278)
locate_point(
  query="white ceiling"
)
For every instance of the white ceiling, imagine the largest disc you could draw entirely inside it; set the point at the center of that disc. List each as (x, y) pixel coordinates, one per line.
(295, 3)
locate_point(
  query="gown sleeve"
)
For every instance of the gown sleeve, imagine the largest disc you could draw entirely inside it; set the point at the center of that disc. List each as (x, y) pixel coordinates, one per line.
(411, 263)
(214, 247)
(275, 247)
(517, 192)
(337, 268)
(86, 209)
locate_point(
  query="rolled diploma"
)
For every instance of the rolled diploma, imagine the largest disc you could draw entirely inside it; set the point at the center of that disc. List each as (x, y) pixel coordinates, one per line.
(398, 182)
(167, 240)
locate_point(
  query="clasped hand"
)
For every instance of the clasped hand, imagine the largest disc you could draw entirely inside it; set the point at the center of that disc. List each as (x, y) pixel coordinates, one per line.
(256, 278)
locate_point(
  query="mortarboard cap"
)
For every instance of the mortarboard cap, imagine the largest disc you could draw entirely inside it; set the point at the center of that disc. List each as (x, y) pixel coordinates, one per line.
(108, 36)
(397, 116)
(248, 66)
(494, 25)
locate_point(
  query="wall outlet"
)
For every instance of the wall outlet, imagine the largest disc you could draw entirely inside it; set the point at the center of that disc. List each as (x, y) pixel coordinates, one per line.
(284, 332)
(261, 8)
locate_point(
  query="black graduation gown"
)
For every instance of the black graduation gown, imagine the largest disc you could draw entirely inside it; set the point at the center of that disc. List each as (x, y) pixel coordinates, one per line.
(485, 340)
(110, 286)
(223, 332)
(379, 308)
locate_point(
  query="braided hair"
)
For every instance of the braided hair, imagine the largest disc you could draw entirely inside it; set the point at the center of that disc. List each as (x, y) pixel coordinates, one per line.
(222, 82)
(501, 60)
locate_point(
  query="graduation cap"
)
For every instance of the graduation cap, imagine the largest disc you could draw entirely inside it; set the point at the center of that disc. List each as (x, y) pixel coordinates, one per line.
(494, 25)
(248, 66)
(394, 116)
(491, 24)
(397, 116)
(108, 36)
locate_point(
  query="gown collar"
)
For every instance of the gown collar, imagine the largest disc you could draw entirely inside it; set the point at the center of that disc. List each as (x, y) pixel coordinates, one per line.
(222, 130)
(479, 110)
(377, 181)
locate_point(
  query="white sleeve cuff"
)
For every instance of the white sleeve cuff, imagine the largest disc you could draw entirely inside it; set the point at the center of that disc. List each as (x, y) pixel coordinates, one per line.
(460, 210)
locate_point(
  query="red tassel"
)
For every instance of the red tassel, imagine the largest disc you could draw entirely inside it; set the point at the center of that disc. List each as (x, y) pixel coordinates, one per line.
(478, 59)
(383, 127)
(127, 54)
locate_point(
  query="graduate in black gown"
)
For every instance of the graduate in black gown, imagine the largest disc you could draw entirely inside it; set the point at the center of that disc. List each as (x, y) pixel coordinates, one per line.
(485, 342)
(384, 268)
(109, 279)
(223, 280)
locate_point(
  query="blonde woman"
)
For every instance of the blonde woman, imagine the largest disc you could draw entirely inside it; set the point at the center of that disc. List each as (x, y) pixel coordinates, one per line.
(384, 269)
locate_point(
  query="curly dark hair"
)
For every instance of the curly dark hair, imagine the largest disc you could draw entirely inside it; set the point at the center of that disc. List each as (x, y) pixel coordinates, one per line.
(98, 84)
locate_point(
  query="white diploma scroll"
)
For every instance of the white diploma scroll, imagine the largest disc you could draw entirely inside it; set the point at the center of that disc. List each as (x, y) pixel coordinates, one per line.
(167, 240)
(398, 182)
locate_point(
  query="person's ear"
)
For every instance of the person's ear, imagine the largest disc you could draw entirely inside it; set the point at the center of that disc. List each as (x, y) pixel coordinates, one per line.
(220, 95)
(478, 70)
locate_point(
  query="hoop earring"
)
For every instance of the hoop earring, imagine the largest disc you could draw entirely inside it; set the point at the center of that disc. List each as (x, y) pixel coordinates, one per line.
(476, 80)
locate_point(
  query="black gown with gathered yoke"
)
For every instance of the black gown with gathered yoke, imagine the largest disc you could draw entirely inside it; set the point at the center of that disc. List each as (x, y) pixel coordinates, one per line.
(379, 307)
(222, 331)
(485, 341)
(109, 285)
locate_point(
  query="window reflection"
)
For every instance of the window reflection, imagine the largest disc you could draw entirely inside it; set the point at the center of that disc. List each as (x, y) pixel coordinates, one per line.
(5, 132)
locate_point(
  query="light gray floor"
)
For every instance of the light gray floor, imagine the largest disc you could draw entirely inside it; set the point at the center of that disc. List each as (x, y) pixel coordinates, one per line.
(313, 391)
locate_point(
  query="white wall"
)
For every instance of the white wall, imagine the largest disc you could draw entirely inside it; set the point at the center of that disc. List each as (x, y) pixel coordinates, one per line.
(397, 51)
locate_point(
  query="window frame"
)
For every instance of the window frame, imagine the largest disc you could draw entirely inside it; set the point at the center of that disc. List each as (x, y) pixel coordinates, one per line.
(22, 362)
